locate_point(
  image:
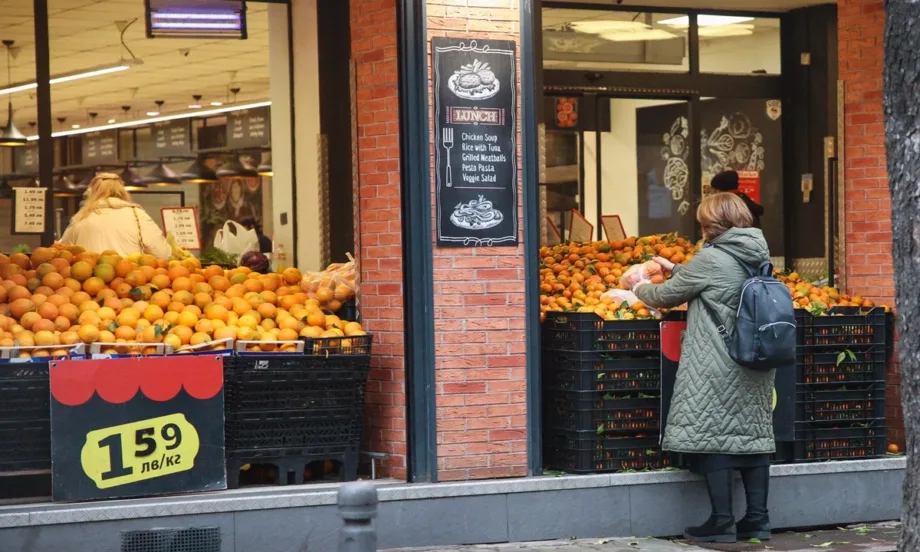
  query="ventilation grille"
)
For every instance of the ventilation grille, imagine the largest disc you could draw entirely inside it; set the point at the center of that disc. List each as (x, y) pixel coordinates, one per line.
(193, 539)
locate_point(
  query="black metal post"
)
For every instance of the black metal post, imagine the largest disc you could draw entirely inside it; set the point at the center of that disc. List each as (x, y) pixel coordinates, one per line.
(357, 503)
(43, 101)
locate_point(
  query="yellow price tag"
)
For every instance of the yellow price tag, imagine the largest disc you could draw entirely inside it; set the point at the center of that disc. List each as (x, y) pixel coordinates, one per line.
(774, 398)
(142, 450)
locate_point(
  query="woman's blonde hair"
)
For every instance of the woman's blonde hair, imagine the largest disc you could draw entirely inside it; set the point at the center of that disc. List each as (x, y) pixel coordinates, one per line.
(102, 188)
(721, 211)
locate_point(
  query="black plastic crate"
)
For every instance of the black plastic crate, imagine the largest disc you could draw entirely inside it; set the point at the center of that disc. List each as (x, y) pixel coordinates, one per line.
(590, 452)
(316, 432)
(25, 445)
(25, 392)
(290, 463)
(843, 328)
(347, 348)
(291, 382)
(599, 371)
(834, 405)
(601, 411)
(585, 331)
(845, 366)
(817, 442)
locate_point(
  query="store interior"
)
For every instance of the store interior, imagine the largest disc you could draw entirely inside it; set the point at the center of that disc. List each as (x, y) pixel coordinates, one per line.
(185, 120)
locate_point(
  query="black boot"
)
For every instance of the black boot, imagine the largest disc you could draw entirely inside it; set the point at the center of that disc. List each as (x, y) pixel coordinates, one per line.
(720, 527)
(756, 521)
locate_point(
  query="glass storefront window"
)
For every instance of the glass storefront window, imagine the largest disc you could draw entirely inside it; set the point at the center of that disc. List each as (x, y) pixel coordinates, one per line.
(739, 45)
(613, 41)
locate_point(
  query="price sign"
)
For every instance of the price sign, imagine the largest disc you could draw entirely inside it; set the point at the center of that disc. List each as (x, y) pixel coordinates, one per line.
(580, 229)
(182, 222)
(28, 210)
(749, 184)
(136, 427)
(613, 228)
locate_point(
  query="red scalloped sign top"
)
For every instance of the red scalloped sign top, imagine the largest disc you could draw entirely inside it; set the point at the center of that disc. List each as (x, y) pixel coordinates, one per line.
(117, 381)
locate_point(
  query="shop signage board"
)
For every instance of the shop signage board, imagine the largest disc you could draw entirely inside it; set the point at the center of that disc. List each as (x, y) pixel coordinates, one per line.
(250, 128)
(27, 159)
(133, 427)
(613, 228)
(580, 230)
(100, 148)
(749, 184)
(783, 386)
(172, 138)
(476, 173)
(182, 222)
(28, 210)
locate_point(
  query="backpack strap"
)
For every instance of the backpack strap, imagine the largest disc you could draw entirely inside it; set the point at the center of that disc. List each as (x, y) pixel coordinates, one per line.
(747, 268)
(720, 327)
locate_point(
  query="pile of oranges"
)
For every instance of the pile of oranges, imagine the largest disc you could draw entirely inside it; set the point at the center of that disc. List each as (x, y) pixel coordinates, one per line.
(62, 296)
(574, 276)
(818, 299)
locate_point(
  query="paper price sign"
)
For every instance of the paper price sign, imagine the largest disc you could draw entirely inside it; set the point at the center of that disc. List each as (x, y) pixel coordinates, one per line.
(136, 427)
(182, 222)
(141, 450)
(29, 210)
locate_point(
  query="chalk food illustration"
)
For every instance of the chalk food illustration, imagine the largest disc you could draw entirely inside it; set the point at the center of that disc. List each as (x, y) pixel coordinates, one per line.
(474, 81)
(478, 214)
(447, 140)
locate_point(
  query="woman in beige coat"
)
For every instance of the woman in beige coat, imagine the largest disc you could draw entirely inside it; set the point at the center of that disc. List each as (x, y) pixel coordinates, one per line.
(108, 220)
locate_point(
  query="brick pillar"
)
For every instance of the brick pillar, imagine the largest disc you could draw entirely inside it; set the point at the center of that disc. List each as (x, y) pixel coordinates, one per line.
(869, 267)
(479, 306)
(373, 43)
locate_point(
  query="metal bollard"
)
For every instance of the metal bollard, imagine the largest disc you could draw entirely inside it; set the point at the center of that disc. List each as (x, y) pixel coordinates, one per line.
(358, 507)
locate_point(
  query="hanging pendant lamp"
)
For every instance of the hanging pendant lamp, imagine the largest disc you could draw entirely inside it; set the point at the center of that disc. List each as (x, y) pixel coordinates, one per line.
(234, 168)
(10, 137)
(199, 173)
(70, 185)
(161, 176)
(265, 168)
(133, 181)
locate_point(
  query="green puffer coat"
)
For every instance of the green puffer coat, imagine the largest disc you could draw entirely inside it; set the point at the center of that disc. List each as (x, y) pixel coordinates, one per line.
(718, 406)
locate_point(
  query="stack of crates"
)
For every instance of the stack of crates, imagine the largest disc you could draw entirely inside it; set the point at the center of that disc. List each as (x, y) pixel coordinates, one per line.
(841, 365)
(601, 398)
(25, 417)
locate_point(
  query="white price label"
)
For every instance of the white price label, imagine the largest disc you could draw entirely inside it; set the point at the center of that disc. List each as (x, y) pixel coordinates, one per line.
(182, 222)
(29, 216)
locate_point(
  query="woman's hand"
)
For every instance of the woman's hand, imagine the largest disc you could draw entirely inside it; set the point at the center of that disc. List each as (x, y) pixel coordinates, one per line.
(665, 264)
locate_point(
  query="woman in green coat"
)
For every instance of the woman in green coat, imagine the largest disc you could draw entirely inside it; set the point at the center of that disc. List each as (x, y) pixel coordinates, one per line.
(721, 415)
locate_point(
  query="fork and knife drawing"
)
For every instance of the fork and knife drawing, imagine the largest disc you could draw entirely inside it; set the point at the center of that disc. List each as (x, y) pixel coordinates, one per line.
(447, 140)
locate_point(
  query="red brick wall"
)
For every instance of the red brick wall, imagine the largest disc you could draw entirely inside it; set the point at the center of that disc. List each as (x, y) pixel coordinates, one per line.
(479, 309)
(869, 267)
(373, 43)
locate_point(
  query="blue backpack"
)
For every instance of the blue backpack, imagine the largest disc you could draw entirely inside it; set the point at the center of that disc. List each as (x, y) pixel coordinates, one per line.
(764, 335)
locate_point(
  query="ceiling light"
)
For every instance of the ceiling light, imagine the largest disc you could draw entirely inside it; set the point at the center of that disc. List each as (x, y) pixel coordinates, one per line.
(224, 19)
(75, 126)
(233, 167)
(161, 175)
(111, 121)
(637, 35)
(133, 181)
(159, 119)
(197, 103)
(704, 20)
(217, 104)
(10, 137)
(199, 172)
(123, 65)
(726, 30)
(70, 185)
(607, 26)
(265, 167)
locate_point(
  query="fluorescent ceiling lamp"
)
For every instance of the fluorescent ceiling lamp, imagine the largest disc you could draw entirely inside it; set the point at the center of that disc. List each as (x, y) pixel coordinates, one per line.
(123, 65)
(160, 119)
(637, 35)
(202, 19)
(704, 20)
(602, 26)
(217, 104)
(153, 113)
(728, 30)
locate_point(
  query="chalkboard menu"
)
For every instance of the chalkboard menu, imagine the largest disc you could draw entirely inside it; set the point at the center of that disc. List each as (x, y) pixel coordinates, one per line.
(250, 128)
(100, 148)
(172, 138)
(27, 159)
(475, 142)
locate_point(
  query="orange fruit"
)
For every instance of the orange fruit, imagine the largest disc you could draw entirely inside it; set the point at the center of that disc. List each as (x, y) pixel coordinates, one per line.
(20, 307)
(104, 272)
(311, 331)
(893, 449)
(53, 280)
(215, 311)
(351, 328)
(175, 306)
(253, 285)
(199, 338)
(291, 276)
(288, 335)
(228, 332)
(70, 338)
(81, 271)
(317, 318)
(182, 283)
(18, 292)
(153, 313)
(171, 318)
(193, 309)
(48, 311)
(202, 300)
(161, 299)
(244, 333)
(173, 340)
(89, 334)
(219, 282)
(93, 286)
(204, 326)
(187, 319)
(29, 319)
(184, 333)
(125, 332)
(69, 311)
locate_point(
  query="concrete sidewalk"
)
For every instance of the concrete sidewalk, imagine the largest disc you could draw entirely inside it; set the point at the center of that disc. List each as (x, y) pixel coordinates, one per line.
(880, 537)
